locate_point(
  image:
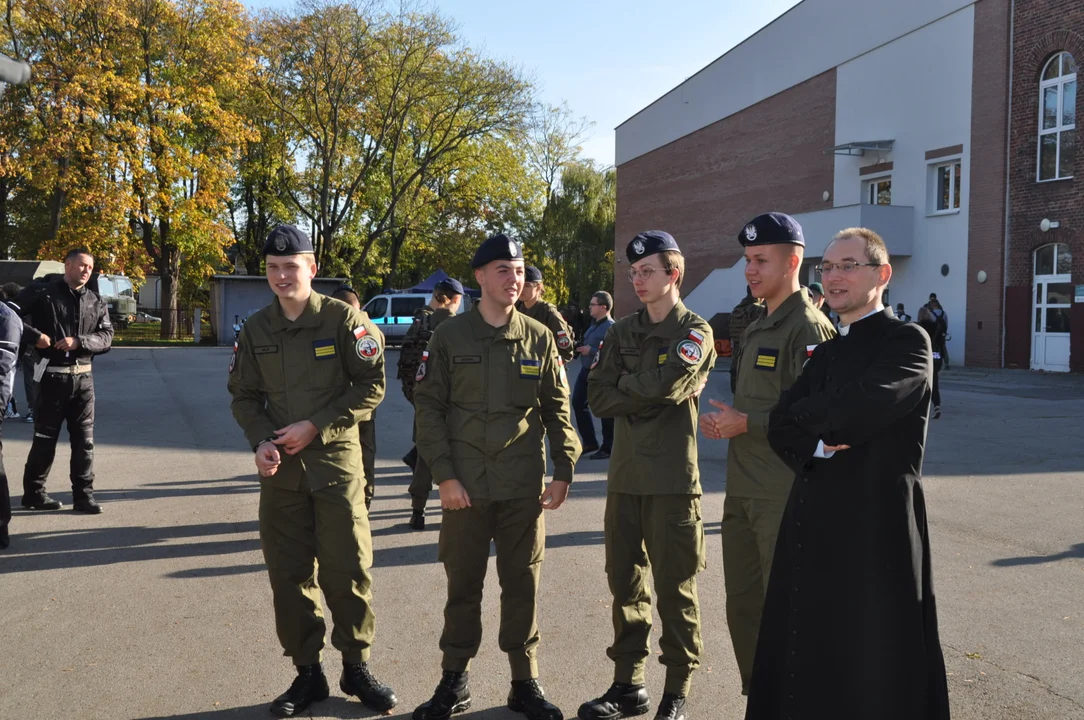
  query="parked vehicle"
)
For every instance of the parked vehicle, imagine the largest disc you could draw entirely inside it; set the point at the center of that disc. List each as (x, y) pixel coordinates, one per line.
(394, 312)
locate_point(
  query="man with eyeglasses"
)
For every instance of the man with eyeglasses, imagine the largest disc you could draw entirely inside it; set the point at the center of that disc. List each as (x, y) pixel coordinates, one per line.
(648, 377)
(850, 619)
(770, 359)
(601, 302)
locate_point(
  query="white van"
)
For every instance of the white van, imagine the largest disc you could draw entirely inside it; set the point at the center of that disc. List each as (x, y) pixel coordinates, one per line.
(393, 313)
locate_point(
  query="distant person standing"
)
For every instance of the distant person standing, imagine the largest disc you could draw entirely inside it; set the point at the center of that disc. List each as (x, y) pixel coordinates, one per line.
(936, 331)
(902, 314)
(533, 306)
(941, 317)
(69, 325)
(744, 314)
(10, 331)
(601, 302)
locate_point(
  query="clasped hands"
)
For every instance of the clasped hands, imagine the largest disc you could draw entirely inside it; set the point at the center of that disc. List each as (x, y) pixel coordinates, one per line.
(292, 438)
(453, 496)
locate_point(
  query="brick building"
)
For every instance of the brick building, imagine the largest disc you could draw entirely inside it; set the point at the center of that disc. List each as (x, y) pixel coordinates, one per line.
(925, 127)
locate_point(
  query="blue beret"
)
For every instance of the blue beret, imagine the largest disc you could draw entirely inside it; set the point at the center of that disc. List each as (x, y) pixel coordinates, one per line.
(498, 247)
(450, 285)
(771, 229)
(532, 274)
(287, 240)
(650, 242)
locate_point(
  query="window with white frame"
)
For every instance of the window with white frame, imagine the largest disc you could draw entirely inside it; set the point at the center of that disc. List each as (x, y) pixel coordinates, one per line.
(1057, 118)
(944, 180)
(878, 191)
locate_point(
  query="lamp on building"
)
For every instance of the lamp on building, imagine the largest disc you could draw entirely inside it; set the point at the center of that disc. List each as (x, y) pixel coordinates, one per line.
(1046, 224)
(981, 277)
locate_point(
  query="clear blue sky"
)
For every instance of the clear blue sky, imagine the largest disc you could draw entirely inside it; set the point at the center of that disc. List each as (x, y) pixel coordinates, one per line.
(607, 58)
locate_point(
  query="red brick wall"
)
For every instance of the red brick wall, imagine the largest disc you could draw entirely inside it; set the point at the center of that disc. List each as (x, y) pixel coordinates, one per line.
(702, 188)
(1041, 28)
(986, 212)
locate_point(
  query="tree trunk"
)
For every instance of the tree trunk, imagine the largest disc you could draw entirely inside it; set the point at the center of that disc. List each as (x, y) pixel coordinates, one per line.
(169, 272)
(397, 241)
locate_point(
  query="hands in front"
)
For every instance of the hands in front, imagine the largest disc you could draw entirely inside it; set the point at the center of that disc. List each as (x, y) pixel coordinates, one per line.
(727, 423)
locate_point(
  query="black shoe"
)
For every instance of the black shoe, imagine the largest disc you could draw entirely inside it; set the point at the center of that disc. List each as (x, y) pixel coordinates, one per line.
(86, 504)
(936, 412)
(41, 501)
(308, 687)
(591, 449)
(5, 539)
(620, 701)
(671, 707)
(601, 455)
(528, 697)
(411, 458)
(417, 520)
(451, 696)
(357, 680)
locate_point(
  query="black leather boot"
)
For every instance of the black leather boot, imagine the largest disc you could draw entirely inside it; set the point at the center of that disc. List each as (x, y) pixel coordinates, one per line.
(308, 687)
(620, 701)
(417, 520)
(358, 680)
(84, 502)
(529, 698)
(41, 501)
(451, 696)
(671, 707)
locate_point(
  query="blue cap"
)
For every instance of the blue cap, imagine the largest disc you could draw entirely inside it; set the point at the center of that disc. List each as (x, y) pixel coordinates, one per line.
(287, 240)
(817, 288)
(450, 286)
(498, 247)
(771, 229)
(532, 274)
(650, 242)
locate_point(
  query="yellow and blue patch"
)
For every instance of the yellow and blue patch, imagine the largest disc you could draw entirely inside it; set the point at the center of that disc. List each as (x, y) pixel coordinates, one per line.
(530, 368)
(767, 359)
(323, 349)
(664, 355)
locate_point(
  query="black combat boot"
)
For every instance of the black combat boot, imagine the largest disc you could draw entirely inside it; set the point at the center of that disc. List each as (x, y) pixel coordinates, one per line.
(417, 520)
(529, 698)
(620, 701)
(5, 539)
(308, 687)
(41, 501)
(84, 502)
(451, 696)
(671, 707)
(357, 680)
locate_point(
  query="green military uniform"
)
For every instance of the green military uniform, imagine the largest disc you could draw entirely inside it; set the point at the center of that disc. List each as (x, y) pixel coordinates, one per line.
(426, 320)
(645, 376)
(550, 316)
(483, 397)
(327, 366)
(773, 352)
(367, 438)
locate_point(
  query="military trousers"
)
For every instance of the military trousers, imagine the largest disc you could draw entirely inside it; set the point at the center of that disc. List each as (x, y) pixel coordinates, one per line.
(367, 437)
(63, 399)
(421, 482)
(750, 528)
(518, 530)
(315, 539)
(663, 534)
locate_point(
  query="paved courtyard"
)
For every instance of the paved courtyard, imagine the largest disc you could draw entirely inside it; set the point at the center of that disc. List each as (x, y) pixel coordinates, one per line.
(160, 607)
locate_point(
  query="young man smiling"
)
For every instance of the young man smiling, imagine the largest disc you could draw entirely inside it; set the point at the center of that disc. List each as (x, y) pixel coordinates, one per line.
(648, 376)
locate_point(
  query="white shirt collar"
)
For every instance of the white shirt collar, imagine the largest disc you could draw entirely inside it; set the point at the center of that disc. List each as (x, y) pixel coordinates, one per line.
(844, 329)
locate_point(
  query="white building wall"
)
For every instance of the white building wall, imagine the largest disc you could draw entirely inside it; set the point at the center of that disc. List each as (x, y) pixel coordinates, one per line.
(813, 37)
(915, 90)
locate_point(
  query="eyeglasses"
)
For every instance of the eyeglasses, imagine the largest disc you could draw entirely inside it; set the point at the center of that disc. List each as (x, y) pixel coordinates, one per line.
(644, 272)
(845, 267)
(595, 305)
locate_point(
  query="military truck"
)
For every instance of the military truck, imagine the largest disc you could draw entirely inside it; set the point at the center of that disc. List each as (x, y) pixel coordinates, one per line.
(115, 290)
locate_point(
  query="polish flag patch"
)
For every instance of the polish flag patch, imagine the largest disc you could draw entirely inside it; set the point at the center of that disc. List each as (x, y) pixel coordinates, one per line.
(696, 337)
(360, 332)
(809, 350)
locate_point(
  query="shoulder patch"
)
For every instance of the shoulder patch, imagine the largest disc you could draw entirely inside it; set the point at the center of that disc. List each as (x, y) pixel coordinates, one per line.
(690, 352)
(563, 341)
(367, 348)
(420, 374)
(809, 350)
(597, 356)
(233, 358)
(697, 337)
(360, 332)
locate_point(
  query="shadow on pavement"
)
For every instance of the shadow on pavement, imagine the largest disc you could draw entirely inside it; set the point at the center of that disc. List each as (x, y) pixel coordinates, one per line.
(333, 707)
(1074, 553)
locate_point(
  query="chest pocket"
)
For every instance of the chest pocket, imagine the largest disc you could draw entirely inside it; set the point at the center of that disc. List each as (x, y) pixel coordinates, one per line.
(468, 381)
(269, 359)
(526, 377)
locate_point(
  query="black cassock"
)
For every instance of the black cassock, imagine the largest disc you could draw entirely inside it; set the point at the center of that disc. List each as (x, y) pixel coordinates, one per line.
(850, 625)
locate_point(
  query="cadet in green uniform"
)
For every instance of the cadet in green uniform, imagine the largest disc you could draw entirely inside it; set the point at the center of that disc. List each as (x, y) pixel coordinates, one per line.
(305, 369)
(648, 376)
(491, 382)
(533, 306)
(772, 354)
(444, 304)
(367, 424)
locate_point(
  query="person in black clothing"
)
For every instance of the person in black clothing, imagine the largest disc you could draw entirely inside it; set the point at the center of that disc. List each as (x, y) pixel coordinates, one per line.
(935, 328)
(10, 331)
(69, 324)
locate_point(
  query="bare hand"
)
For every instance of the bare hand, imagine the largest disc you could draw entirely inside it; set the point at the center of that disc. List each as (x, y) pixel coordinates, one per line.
(43, 342)
(268, 459)
(68, 343)
(836, 448)
(555, 495)
(727, 423)
(296, 437)
(585, 350)
(699, 390)
(453, 496)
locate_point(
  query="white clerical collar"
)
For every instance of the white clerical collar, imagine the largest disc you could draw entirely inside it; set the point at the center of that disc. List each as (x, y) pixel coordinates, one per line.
(844, 329)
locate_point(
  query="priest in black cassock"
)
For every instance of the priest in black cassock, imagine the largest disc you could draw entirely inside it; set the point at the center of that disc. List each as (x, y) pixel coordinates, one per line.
(849, 630)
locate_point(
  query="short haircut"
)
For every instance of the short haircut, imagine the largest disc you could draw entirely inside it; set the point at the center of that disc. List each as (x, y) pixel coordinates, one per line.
(77, 251)
(10, 289)
(344, 294)
(876, 250)
(604, 298)
(673, 260)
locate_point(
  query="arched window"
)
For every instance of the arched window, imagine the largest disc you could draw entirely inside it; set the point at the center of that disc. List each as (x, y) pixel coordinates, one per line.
(1057, 118)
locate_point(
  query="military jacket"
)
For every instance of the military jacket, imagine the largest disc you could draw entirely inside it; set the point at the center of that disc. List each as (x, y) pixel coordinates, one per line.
(549, 316)
(645, 376)
(483, 397)
(327, 366)
(770, 359)
(745, 313)
(426, 320)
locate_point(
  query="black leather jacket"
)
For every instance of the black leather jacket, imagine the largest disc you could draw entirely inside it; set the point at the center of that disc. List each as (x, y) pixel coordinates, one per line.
(54, 309)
